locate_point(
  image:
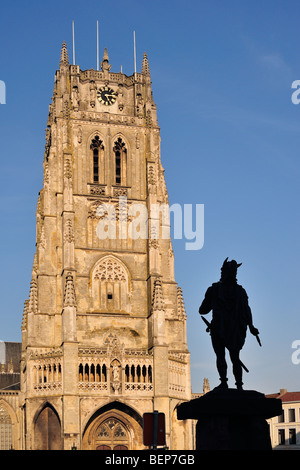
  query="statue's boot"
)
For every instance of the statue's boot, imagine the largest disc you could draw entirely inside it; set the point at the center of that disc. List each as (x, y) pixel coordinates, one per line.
(223, 385)
(238, 373)
(239, 385)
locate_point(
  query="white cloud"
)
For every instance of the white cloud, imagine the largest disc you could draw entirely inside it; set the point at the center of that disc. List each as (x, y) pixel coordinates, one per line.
(274, 62)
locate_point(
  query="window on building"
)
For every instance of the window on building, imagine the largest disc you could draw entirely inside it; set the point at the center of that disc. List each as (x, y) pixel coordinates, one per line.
(292, 415)
(96, 165)
(97, 152)
(112, 435)
(110, 286)
(120, 162)
(281, 437)
(281, 417)
(292, 436)
(118, 167)
(5, 430)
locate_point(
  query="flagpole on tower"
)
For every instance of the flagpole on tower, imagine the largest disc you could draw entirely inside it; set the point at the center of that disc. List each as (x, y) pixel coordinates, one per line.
(134, 51)
(73, 32)
(97, 45)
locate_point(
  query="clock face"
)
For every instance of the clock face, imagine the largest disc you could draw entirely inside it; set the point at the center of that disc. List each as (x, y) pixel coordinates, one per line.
(106, 95)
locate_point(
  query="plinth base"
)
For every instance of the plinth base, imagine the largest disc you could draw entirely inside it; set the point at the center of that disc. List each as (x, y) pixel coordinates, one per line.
(231, 419)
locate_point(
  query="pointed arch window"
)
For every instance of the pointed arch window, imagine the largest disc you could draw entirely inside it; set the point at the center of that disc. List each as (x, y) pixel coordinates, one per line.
(120, 162)
(97, 149)
(5, 429)
(110, 286)
(112, 434)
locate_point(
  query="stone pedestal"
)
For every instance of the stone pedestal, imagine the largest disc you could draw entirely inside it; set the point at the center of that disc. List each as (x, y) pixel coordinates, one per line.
(231, 419)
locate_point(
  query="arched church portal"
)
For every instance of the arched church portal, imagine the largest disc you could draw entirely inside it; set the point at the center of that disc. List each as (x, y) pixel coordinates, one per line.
(47, 430)
(113, 427)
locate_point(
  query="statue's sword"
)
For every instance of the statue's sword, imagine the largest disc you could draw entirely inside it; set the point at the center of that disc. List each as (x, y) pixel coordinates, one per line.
(258, 340)
(208, 330)
(207, 324)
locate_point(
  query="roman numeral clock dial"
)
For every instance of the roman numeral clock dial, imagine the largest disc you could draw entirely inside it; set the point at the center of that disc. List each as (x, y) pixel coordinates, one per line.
(106, 96)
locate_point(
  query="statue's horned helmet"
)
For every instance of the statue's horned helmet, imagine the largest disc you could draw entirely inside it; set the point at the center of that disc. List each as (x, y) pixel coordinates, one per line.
(232, 263)
(230, 267)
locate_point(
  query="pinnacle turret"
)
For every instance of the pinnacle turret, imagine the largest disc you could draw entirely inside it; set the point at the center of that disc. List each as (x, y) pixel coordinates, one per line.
(64, 58)
(180, 303)
(105, 61)
(158, 301)
(32, 303)
(25, 315)
(69, 297)
(145, 65)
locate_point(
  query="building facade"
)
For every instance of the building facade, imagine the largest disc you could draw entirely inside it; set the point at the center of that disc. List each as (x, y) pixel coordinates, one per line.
(104, 327)
(285, 429)
(10, 355)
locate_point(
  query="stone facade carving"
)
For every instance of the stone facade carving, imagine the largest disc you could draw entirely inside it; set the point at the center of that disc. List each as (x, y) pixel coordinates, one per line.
(69, 297)
(109, 270)
(69, 234)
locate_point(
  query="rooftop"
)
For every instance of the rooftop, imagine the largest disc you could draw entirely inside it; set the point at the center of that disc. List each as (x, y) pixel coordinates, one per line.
(285, 396)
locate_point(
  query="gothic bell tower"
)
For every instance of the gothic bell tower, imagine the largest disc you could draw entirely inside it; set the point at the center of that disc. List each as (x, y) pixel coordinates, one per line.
(104, 327)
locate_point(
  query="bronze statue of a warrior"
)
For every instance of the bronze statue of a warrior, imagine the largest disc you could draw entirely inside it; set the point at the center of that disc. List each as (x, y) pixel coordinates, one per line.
(231, 315)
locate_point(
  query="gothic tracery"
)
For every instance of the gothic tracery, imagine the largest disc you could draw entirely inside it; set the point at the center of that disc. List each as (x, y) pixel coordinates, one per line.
(110, 270)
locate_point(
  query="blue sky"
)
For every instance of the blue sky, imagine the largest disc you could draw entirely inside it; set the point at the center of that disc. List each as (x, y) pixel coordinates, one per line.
(221, 77)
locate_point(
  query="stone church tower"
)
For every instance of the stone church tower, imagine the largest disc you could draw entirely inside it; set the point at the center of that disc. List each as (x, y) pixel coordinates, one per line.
(104, 327)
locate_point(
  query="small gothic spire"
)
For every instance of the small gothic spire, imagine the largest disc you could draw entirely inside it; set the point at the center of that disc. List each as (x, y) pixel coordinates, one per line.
(145, 65)
(206, 387)
(105, 61)
(180, 303)
(158, 301)
(69, 297)
(105, 55)
(10, 366)
(32, 304)
(25, 315)
(64, 59)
